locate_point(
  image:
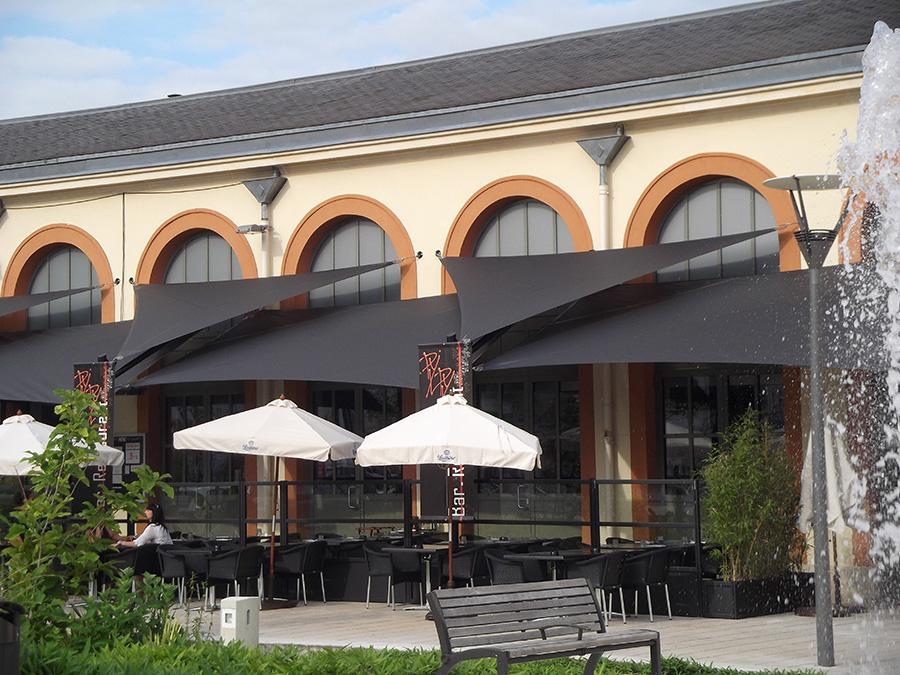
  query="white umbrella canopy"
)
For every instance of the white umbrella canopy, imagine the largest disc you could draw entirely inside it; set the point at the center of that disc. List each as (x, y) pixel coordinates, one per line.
(451, 432)
(844, 488)
(278, 429)
(21, 434)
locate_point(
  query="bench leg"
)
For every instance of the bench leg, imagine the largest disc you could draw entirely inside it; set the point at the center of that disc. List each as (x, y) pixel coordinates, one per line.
(592, 662)
(503, 665)
(655, 659)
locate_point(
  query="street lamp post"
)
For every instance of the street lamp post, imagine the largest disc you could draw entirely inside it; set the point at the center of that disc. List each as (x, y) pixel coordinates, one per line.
(814, 245)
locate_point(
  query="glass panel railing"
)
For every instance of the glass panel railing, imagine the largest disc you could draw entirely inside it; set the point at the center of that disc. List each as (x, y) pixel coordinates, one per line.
(531, 509)
(647, 510)
(204, 510)
(344, 508)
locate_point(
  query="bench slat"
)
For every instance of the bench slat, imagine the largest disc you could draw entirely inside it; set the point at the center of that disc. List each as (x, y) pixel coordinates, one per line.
(550, 604)
(513, 635)
(509, 593)
(506, 624)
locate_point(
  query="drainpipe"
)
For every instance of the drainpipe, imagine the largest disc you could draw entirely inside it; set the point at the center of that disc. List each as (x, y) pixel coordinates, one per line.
(265, 190)
(603, 151)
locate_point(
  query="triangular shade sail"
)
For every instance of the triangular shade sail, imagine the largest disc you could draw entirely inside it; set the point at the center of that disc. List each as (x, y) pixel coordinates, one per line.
(14, 303)
(762, 319)
(21, 434)
(278, 429)
(369, 344)
(165, 312)
(451, 432)
(495, 292)
(34, 364)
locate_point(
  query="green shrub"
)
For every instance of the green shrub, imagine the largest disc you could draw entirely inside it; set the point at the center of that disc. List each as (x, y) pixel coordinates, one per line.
(51, 555)
(751, 501)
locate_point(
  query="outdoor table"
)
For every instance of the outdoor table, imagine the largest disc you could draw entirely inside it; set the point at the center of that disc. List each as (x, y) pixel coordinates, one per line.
(553, 557)
(631, 546)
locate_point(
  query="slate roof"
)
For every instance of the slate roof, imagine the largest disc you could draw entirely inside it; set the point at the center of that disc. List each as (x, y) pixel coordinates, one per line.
(740, 46)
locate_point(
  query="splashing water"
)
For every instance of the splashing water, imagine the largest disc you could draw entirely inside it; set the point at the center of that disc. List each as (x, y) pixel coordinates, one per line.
(870, 168)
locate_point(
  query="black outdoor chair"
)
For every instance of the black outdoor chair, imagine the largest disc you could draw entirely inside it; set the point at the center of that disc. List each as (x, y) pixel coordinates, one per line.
(646, 570)
(172, 568)
(234, 566)
(604, 572)
(592, 569)
(301, 559)
(140, 559)
(612, 582)
(406, 568)
(378, 563)
(468, 565)
(505, 571)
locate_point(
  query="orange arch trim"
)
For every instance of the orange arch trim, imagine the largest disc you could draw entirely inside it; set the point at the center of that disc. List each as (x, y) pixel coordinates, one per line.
(171, 234)
(30, 254)
(488, 200)
(303, 244)
(669, 186)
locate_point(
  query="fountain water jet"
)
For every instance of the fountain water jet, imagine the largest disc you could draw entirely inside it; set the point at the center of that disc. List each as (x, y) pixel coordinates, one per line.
(870, 168)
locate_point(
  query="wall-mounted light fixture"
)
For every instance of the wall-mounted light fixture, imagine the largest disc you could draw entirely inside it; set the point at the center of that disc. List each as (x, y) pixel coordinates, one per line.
(254, 228)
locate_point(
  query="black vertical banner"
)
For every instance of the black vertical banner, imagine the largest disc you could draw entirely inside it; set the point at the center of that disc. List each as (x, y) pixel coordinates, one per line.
(96, 379)
(444, 369)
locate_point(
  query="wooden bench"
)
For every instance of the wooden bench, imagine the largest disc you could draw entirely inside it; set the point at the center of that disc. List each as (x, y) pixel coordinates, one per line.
(514, 623)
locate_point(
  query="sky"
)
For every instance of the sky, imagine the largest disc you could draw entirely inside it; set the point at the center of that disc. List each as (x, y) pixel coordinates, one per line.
(64, 55)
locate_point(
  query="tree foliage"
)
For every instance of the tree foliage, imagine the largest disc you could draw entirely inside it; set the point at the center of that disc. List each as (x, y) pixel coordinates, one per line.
(752, 501)
(51, 552)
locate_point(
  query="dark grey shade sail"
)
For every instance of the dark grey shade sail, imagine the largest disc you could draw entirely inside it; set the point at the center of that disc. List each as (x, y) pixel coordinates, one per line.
(14, 303)
(496, 292)
(761, 319)
(165, 312)
(32, 365)
(366, 344)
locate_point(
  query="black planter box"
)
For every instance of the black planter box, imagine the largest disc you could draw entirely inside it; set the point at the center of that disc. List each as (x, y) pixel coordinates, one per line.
(743, 599)
(803, 589)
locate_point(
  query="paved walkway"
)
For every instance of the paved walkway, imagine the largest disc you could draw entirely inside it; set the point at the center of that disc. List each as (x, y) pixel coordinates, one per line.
(865, 644)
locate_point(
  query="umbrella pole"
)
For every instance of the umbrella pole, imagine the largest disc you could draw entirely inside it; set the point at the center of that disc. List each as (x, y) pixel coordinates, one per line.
(450, 536)
(272, 532)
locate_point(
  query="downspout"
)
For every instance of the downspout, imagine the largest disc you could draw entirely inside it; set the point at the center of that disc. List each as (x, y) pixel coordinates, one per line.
(265, 190)
(603, 151)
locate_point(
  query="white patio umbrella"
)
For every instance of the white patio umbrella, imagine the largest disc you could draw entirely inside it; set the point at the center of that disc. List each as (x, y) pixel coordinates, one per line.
(451, 432)
(278, 429)
(21, 434)
(844, 488)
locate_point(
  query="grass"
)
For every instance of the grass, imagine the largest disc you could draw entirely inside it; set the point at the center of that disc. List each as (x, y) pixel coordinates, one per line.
(181, 657)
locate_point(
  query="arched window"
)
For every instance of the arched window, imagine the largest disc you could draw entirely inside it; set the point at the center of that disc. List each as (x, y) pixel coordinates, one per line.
(721, 207)
(700, 400)
(63, 268)
(356, 241)
(362, 409)
(524, 227)
(203, 257)
(546, 406)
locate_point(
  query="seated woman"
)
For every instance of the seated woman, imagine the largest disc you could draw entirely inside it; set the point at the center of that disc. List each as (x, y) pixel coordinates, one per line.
(156, 531)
